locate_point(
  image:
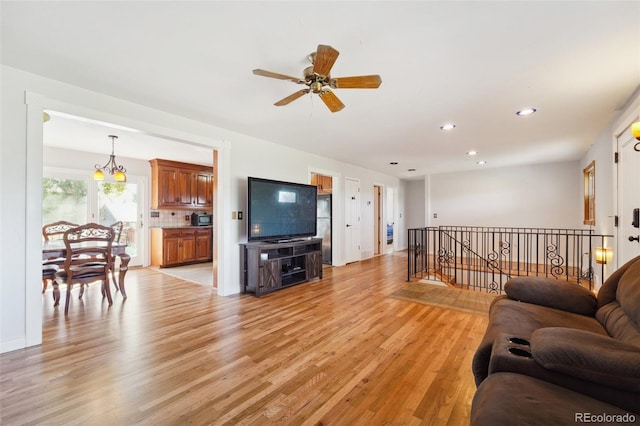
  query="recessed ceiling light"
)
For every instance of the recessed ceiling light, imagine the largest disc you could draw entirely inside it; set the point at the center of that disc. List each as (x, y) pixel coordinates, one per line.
(472, 153)
(448, 126)
(526, 111)
(394, 163)
(481, 162)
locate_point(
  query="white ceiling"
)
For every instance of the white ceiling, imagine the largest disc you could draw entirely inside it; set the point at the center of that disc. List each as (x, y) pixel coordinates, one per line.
(472, 63)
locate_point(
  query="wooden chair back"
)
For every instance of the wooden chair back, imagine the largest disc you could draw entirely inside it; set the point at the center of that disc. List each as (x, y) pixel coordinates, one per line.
(56, 230)
(87, 244)
(117, 228)
(88, 258)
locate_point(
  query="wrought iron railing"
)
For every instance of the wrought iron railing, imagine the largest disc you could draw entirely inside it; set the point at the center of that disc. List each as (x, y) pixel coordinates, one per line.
(484, 258)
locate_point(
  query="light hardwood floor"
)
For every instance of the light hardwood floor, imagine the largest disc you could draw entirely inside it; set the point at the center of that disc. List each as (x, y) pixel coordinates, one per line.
(334, 352)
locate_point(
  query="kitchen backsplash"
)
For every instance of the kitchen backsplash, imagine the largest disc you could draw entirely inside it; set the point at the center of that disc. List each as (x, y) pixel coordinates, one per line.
(172, 218)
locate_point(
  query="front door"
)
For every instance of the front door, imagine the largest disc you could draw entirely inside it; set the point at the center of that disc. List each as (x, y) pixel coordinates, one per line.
(628, 197)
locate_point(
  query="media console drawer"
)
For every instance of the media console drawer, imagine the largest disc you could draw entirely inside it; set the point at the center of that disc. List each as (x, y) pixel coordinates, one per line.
(268, 267)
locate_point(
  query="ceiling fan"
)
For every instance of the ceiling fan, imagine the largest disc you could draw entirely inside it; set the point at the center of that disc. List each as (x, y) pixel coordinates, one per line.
(318, 80)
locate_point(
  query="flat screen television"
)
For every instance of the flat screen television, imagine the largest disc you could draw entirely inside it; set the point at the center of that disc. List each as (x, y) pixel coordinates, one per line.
(281, 210)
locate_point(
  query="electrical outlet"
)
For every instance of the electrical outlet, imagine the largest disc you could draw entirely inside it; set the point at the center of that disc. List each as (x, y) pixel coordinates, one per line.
(187, 217)
(239, 215)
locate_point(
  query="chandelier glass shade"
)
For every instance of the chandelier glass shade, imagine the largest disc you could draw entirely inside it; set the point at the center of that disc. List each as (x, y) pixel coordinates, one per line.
(118, 172)
(635, 131)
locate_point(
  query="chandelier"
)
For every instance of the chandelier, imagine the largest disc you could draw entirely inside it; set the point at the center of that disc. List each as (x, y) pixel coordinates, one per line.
(111, 167)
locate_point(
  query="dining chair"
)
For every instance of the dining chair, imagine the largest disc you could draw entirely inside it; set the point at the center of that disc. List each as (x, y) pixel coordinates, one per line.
(88, 258)
(52, 231)
(117, 228)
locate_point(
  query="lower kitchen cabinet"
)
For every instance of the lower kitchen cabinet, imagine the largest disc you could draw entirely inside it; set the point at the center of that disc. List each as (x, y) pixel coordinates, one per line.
(179, 246)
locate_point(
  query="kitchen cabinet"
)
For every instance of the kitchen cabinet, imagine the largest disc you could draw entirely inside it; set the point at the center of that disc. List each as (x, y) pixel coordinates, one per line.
(179, 246)
(324, 183)
(180, 186)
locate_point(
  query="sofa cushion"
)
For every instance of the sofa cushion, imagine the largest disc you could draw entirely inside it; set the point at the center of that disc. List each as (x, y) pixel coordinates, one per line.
(515, 356)
(516, 399)
(628, 293)
(607, 292)
(552, 293)
(588, 356)
(521, 320)
(618, 324)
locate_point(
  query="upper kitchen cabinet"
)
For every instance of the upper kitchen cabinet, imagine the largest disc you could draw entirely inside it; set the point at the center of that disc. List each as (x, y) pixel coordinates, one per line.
(176, 185)
(324, 183)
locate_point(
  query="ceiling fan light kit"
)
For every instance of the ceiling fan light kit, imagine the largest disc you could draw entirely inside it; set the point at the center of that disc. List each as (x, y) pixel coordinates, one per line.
(318, 79)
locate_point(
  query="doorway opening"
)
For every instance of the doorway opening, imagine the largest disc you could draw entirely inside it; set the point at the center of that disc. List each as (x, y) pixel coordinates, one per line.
(107, 201)
(378, 231)
(324, 184)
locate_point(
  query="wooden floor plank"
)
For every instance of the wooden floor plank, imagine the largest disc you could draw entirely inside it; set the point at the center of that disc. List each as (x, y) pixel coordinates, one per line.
(333, 351)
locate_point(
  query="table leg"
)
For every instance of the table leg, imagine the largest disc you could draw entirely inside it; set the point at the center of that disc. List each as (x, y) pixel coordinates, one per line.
(124, 267)
(56, 293)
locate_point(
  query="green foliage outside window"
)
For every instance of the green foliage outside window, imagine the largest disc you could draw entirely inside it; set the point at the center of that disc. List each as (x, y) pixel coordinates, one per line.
(64, 199)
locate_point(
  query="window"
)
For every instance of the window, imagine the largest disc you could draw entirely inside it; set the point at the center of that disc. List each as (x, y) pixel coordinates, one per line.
(64, 199)
(590, 194)
(75, 197)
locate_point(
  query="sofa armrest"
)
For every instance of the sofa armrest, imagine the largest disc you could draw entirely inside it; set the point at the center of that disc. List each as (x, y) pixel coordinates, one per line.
(588, 356)
(553, 294)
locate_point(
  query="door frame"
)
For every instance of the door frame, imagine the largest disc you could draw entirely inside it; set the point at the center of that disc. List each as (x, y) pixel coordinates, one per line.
(337, 227)
(358, 231)
(379, 234)
(35, 104)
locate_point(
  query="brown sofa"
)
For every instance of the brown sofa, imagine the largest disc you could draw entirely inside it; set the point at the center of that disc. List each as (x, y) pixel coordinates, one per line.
(556, 334)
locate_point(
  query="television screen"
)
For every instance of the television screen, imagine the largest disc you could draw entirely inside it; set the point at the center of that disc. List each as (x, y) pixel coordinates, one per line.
(281, 210)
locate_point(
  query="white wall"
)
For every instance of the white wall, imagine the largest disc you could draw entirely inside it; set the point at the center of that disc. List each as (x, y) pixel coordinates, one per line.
(24, 96)
(59, 158)
(539, 196)
(416, 204)
(601, 151)
(269, 160)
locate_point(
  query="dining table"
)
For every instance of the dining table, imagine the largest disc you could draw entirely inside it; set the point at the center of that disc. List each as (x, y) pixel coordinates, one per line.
(56, 249)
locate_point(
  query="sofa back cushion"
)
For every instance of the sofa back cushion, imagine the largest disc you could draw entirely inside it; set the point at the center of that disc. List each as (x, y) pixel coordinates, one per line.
(628, 292)
(621, 317)
(608, 291)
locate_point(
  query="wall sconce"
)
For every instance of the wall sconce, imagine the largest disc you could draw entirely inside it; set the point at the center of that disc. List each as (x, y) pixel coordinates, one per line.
(635, 131)
(603, 255)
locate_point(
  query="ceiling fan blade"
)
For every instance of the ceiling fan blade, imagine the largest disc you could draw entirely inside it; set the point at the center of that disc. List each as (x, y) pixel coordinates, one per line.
(292, 97)
(357, 82)
(331, 100)
(325, 58)
(276, 75)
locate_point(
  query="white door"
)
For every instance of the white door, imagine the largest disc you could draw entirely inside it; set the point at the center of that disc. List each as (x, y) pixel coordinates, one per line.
(628, 197)
(352, 220)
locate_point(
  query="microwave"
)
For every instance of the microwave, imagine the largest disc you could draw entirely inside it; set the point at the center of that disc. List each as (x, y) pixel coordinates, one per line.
(201, 219)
